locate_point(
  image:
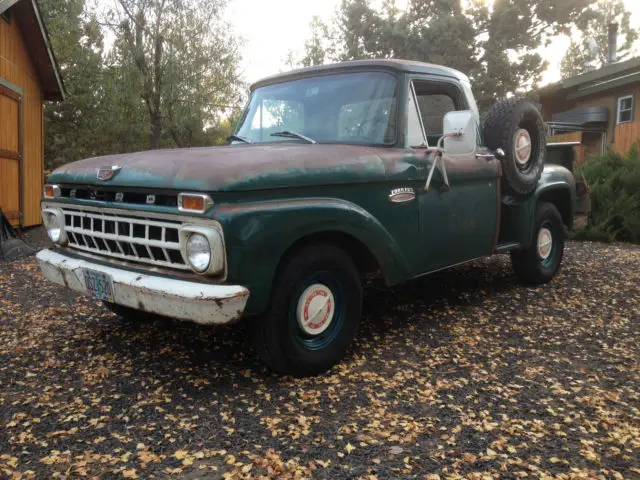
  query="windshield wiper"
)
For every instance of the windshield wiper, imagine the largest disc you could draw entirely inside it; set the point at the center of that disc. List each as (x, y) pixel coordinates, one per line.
(238, 138)
(291, 134)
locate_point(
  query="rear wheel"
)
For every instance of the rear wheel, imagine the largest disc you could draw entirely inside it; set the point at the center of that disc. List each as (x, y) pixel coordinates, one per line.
(314, 312)
(542, 259)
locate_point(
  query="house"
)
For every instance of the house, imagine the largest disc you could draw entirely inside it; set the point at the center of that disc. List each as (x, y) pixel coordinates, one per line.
(29, 75)
(597, 108)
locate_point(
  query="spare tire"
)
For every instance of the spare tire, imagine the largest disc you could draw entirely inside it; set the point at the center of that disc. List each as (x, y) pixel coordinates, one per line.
(515, 125)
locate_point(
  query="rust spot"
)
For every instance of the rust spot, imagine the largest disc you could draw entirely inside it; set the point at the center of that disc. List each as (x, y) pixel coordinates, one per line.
(138, 278)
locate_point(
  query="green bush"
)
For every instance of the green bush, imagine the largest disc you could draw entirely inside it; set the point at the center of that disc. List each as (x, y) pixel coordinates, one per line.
(614, 183)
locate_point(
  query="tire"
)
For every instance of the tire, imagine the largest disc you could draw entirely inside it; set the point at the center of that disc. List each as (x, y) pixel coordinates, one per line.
(319, 277)
(540, 262)
(512, 125)
(130, 314)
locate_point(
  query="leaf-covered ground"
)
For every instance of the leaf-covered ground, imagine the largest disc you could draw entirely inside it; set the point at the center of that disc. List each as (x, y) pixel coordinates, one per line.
(461, 375)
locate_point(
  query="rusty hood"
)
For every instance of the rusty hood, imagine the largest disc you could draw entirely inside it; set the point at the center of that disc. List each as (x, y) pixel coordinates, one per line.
(235, 167)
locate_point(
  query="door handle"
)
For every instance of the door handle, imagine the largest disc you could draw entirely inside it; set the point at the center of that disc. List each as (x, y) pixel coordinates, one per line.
(485, 156)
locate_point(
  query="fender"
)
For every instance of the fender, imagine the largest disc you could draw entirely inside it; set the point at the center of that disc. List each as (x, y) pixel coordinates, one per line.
(557, 185)
(257, 236)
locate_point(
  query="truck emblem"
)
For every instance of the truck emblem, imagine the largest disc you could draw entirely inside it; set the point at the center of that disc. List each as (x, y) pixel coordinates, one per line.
(119, 196)
(107, 173)
(151, 199)
(401, 195)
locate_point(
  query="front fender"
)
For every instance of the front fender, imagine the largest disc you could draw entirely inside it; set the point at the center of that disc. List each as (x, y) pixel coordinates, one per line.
(258, 234)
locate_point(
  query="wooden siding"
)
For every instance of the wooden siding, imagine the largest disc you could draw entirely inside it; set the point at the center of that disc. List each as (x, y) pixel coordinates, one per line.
(626, 135)
(566, 137)
(16, 67)
(609, 99)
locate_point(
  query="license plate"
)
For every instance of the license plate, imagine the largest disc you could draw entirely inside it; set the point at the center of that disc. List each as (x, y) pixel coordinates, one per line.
(99, 284)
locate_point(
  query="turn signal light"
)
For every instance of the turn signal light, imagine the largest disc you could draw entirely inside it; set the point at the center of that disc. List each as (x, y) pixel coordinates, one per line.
(51, 191)
(194, 202)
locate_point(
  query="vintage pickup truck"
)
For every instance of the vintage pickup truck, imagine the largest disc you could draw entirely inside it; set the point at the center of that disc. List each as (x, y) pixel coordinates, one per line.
(334, 172)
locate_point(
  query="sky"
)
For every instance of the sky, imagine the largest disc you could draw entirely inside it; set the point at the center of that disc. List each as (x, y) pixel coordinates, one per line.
(271, 28)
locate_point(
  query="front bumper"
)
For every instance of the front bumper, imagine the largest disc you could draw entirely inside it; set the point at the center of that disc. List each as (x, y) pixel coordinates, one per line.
(196, 302)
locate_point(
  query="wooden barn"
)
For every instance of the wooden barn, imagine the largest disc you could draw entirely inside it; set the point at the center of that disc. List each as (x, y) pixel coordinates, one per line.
(29, 76)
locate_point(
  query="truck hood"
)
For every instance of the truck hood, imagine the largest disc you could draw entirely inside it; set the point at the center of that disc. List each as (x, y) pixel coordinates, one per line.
(236, 167)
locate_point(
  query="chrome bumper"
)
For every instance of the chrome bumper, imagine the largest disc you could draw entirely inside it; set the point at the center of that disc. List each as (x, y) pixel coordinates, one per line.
(196, 302)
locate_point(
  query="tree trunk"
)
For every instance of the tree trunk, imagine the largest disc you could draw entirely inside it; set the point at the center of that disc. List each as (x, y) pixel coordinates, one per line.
(156, 131)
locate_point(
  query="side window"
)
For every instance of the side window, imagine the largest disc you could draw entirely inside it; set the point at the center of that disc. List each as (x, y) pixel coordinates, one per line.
(415, 130)
(435, 100)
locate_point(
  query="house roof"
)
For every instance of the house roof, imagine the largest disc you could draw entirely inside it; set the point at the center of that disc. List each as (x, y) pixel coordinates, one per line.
(355, 65)
(27, 16)
(610, 76)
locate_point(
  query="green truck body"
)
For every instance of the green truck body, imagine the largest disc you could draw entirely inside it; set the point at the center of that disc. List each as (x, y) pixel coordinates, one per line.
(281, 195)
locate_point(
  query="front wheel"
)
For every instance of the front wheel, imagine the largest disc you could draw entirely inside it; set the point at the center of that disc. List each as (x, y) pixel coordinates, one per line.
(314, 312)
(541, 260)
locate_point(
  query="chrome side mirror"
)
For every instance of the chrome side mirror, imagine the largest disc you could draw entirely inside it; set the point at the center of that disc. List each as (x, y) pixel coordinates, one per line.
(459, 137)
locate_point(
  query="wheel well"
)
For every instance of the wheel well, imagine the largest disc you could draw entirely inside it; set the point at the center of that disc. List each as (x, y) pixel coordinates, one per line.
(562, 201)
(364, 260)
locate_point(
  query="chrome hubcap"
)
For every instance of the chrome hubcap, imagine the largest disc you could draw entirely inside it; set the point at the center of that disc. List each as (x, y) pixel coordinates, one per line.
(522, 146)
(545, 243)
(316, 308)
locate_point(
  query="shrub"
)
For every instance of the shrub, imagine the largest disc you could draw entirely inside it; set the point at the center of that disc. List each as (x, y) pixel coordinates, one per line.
(614, 183)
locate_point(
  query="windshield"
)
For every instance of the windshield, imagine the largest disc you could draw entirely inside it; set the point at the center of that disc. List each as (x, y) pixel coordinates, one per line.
(345, 108)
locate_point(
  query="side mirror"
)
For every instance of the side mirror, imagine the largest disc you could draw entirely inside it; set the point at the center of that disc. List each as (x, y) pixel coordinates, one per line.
(459, 132)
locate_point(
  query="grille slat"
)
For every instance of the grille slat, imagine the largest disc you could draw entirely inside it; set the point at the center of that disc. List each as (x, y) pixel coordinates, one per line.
(140, 240)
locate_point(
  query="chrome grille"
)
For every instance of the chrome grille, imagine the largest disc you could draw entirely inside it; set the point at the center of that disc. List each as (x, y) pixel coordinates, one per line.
(142, 240)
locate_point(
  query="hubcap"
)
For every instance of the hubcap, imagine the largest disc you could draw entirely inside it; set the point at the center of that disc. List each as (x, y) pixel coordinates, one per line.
(545, 243)
(522, 146)
(316, 308)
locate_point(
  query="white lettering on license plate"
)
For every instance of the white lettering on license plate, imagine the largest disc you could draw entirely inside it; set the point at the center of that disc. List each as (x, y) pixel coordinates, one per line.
(99, 285)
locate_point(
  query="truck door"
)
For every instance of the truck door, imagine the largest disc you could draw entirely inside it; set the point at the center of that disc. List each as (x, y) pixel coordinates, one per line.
(459, 223)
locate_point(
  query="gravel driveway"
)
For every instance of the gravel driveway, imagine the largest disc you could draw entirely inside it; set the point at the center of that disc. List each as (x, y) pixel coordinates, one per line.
(464, 374)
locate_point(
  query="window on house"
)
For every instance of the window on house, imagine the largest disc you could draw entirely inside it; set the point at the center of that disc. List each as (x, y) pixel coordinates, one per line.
(625, 109)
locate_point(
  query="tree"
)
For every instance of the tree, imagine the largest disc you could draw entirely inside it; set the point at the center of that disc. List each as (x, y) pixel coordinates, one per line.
(315, 46)
(186, 64)
(590, 50)
(497, 46)
(74, 128)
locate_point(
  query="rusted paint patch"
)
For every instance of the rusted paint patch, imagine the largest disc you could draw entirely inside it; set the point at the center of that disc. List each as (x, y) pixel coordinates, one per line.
(239, 167)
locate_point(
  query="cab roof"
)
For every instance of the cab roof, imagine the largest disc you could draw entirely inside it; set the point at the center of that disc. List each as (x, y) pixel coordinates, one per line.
(403, 66)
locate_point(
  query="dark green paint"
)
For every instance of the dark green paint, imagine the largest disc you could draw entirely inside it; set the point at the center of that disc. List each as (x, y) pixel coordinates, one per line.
(268, 197)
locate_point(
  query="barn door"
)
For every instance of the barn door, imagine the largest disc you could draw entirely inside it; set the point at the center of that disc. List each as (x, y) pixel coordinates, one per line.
(10, 154)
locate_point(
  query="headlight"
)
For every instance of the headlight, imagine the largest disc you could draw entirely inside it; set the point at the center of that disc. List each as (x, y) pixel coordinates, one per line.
(203, 248)
(53, 219)
(198, 252)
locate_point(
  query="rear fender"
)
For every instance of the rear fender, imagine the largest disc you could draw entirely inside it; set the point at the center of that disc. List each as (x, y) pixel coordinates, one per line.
(556, 186)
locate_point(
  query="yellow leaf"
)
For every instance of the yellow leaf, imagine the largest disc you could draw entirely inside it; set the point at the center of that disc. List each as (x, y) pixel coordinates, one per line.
(554, 459)
(187, 462)
(491, 453)
(246, 468)
(130, 473)
(230, 460)
(349, 448)
(180, 454)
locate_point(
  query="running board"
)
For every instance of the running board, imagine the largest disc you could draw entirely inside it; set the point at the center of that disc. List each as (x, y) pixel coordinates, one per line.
(506, 247)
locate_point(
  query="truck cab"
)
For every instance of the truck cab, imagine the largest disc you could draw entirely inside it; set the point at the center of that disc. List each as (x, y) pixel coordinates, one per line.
(333, 172)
